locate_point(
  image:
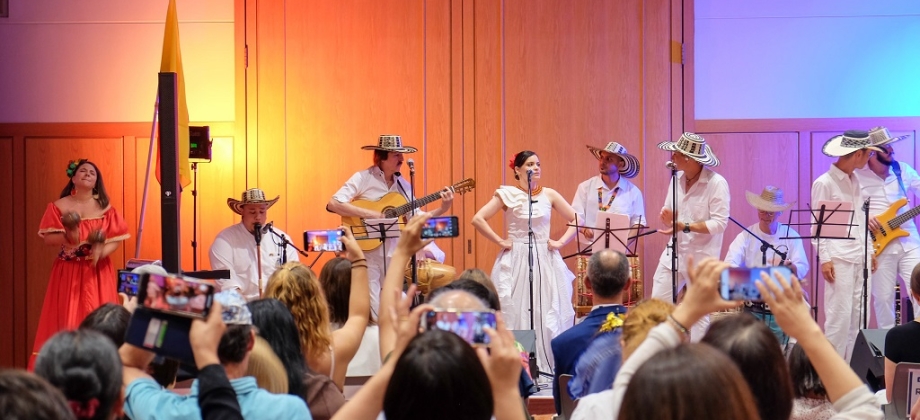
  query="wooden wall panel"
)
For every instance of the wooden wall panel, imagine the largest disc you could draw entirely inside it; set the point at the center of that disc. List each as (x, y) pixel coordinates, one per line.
(45, 162)
(7, 242)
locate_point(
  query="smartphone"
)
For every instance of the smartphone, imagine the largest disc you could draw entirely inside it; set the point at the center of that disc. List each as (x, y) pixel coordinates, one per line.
(175, 295)
(441, 227)
(739, 283)
(323, 240)
(469, 325)
(128, 282)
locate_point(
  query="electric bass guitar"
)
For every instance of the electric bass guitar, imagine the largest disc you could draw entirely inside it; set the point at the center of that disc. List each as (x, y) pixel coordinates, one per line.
(394, 205)
(891, 221)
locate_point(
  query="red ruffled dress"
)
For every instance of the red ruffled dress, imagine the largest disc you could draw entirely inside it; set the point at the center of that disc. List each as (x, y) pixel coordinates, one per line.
(77, 287)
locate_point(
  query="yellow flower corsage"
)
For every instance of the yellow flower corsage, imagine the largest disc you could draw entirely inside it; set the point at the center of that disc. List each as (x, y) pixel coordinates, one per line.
(613, 322)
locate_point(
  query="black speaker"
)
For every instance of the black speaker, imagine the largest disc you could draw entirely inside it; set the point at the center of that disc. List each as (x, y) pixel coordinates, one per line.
(868, 360)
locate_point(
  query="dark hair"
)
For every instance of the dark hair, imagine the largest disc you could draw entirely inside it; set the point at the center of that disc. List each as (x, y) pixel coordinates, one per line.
(756, 351)
(519, 160)
(109, 319)
(164, 371)
(234, 344)
(805, 380)
(85, 366)
(472, 287)
(691, 381)
(335, 278)
(915, 280)
(99, 189)
(608, 272)
(25, 396)
(380, 155)
(438, 376)
(482, 278)
(276, 325)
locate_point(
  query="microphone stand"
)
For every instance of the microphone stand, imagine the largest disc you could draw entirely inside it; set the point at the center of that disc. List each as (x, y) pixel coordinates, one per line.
(284, 244)
(257, 233)
(764, 245)
(674, 234)
(866, 262)
(530, 241)
(414, 261)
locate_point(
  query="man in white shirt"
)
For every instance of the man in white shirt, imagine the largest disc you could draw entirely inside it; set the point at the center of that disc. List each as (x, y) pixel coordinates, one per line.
(885, 181)
(615, 194)
(746, 251)
(842, 261)
(372, 184)
(234, 248)
(703, 202)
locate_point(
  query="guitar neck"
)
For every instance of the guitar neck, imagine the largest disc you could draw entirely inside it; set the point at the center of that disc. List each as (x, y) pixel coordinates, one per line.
(412, 205)
(904, 217)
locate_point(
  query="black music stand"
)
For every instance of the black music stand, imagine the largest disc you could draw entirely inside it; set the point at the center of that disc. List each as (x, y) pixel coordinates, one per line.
(382, 229)
(820, 218)
(764, 245)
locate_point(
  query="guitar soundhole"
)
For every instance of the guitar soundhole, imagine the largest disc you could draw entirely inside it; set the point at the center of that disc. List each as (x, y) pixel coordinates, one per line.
(389, 212)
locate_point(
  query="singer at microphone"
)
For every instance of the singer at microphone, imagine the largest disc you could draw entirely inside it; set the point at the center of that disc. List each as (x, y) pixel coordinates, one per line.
(235, 247)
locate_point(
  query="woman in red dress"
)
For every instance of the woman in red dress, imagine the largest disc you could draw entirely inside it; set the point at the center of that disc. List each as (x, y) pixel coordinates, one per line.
(87, 229)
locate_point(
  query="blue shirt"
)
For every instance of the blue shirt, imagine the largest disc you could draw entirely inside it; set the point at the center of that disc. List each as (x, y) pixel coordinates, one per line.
(145, 399)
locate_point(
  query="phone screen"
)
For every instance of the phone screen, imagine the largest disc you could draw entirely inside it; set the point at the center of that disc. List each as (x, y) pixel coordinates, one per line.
(468, 325)
(323, 240)
(739, 283)
(441, 227)
(176, 295)
(128, 282)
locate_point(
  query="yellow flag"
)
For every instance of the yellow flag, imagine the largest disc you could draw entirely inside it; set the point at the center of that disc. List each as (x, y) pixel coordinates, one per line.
(172, 62)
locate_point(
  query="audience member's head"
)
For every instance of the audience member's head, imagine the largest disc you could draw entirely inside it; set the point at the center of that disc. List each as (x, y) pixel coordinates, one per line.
(689, 382)
(298, 288)
(756, 351)
(915, 283)
(164, 371)
(24, 396)
(85, 366)
(482, 278)
(608, 273)
(470, 286)
(458, 299)
(438, 376)
(266, 367)
(640, 320)
(150, 269)
(335, 277)
(276, 325)
(109, 319)
(239, 337)
(805, 380)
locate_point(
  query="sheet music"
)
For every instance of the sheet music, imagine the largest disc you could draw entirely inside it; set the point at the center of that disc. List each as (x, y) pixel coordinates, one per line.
(619, 224)
(836, 223)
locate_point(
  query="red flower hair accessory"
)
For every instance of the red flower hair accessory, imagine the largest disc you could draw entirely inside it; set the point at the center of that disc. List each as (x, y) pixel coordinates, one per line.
(511, 163)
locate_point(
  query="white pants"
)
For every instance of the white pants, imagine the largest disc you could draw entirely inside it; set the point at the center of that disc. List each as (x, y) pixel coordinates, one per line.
(376, 270)
(890, 265)
(663, 289)
(842, 307)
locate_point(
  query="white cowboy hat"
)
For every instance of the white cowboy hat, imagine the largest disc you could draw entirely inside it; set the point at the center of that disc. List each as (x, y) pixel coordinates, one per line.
(250, 196)
(391, 143)
(771, 199)
(880, 136)
(849, 142)
(631, 169)
(693, 146)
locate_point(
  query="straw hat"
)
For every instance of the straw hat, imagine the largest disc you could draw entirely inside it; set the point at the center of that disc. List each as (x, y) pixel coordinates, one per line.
(771, 199)
(631, 169)
(880, 136)
(250, 196)
(693, 146)
(391, 143)
(849, 142)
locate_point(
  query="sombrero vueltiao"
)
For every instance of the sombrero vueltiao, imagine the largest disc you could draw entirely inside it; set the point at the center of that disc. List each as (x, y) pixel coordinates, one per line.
(880, 136)
(630, 169)
(694, 147)
(250, 196)
(771, 199)
(851, 141)
(391, 143)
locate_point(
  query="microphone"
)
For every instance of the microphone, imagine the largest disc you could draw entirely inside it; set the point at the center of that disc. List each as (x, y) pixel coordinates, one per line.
(411, 164)
(670, 165)
(268, 227)
(257, 232)
(529, 174)
(397, 174)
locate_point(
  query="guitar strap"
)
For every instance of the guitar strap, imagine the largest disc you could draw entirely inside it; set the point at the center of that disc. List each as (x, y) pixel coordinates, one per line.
(896, 167)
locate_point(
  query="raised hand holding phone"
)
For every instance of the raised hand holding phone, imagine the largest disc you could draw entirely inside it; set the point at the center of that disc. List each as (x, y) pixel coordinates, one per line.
(353, 251)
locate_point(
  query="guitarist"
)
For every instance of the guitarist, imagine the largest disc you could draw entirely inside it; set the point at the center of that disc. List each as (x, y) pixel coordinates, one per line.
(373, 183)
(885, 181)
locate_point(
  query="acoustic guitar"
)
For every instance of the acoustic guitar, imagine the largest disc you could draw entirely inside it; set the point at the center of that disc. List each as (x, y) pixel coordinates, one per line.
(891, 221)
(394, 205)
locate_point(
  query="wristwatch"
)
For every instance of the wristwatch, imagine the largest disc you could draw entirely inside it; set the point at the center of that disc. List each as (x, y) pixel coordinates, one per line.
(686, 228)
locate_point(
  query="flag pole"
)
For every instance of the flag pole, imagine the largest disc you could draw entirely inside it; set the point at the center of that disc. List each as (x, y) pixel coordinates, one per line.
(140, 223)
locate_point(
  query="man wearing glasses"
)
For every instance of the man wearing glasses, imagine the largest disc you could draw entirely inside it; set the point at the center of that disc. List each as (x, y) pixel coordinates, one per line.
(885, 181)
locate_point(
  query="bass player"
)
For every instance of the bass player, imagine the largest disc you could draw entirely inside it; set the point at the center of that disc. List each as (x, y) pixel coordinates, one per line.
(382, 178)
(885, 181)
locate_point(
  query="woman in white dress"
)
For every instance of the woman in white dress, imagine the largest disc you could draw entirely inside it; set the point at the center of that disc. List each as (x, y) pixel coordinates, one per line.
(552, 280)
